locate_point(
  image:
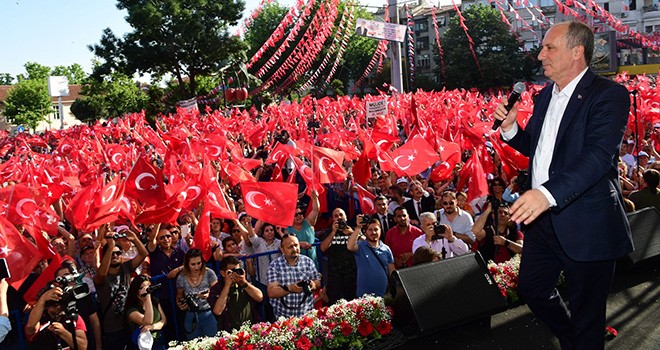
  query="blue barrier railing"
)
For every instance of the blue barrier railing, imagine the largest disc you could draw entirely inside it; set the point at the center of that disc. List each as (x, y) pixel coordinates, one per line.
(19, 318)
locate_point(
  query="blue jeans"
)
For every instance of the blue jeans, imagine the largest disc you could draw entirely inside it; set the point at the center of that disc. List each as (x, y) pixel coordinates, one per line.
(199, 324)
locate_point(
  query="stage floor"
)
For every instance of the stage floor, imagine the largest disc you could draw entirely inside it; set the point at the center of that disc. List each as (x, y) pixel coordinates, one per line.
(633, 309)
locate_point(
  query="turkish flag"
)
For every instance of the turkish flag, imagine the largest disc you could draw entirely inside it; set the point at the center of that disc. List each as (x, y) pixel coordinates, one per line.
(308, 176)
(328, 162)
(78, 208)
(217, 204)
(366, 200)
(22, 256)
(237, 174)
(414, 156)
(21, 203)
(165, 213)
(202, 236)
(362, 170)
(116, 156)
(272, 202)
(473, 174)
(145, 183)
(46, 276)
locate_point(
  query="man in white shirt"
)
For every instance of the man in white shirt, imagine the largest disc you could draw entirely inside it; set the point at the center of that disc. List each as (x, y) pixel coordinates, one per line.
(458, 219)
(574, 213)
(440, 238)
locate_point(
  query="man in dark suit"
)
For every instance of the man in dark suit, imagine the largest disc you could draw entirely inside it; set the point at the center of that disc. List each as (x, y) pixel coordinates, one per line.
(386, 219)
(574, 213)
(419, 203)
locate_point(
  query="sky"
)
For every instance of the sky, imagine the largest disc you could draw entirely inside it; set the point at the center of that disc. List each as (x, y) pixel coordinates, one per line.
(57, 33)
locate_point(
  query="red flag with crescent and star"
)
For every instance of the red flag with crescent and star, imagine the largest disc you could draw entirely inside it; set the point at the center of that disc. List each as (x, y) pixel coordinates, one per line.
(273, 202)
(22, 256)
(414, 156)
(145, 183)
(366, 200)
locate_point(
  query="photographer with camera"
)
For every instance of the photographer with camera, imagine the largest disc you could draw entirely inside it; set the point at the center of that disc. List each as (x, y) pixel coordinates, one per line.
(55, 318)
(373, 258)
(499, 239)
(292, 278)
(144, 312)
(439, 237)
(342, 272)
(112, 282)
(459, 220)
(193, 287)
(233, 298)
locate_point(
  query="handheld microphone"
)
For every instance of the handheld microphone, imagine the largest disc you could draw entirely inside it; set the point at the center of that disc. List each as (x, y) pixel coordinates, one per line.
(518, 89)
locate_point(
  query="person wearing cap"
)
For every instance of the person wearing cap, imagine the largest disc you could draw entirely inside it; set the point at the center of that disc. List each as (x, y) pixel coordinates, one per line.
(648, 194)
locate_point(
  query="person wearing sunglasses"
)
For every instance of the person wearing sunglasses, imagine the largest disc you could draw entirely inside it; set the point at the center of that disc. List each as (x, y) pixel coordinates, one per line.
(458, 219)
(303, 227)
(112, 281)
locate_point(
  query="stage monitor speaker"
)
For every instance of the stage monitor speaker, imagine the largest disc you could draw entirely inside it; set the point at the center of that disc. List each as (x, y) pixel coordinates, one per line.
(645, 228)
(441, 295)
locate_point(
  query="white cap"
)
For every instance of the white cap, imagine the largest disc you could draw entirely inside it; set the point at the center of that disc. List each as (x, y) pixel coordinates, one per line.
(642, 154)
(401, 180)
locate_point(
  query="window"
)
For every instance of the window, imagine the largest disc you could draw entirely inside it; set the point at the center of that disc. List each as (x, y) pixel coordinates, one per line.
(421, 26)
(422, 43)
(424, 60)
(56, 112)
(442, 21)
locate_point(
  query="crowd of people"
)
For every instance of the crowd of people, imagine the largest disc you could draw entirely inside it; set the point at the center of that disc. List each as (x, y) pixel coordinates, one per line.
(127, 284)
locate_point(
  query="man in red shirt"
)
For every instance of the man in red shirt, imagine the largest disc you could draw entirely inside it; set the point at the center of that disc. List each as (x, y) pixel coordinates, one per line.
(400, 238)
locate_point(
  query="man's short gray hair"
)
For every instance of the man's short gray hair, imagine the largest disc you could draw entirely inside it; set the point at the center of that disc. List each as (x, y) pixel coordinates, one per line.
(427, 215)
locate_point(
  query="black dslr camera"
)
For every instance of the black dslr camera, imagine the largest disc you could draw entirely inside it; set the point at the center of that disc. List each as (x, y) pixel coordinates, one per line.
(119, 235)
(306, 286)
(238, 270)
(341, 224)
(438, 230)
(494, 202)
(366, 219)
(191, 300)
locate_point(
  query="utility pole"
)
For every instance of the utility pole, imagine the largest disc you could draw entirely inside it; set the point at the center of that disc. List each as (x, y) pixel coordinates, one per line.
(395, 48)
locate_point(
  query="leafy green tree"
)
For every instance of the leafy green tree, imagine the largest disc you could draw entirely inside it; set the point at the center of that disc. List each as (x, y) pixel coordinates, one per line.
(184, 38)
(35, 71)
(112, 97)
(6, 79)
(74, 73)
(28, 103)
(358, 52)
(494, 45)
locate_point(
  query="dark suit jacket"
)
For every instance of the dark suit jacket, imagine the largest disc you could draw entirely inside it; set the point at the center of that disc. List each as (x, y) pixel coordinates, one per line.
(428, 204)
(589, 218)
(390, 224)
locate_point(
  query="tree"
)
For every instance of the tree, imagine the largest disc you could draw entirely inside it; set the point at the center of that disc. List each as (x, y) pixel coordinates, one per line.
(359, 51)
(74, 73)
(6, 79)
(35, 71)
(112, 97)
(28, 103)
(500, 56)
(184, 38)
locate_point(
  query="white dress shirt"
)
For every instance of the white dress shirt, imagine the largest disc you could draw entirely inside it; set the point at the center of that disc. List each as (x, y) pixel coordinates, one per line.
(546, 145)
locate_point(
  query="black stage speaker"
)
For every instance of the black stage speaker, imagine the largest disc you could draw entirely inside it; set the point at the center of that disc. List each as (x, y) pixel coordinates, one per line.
(441, 295)
(645, 227)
